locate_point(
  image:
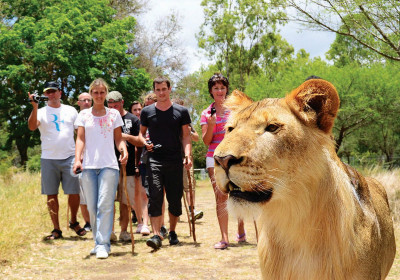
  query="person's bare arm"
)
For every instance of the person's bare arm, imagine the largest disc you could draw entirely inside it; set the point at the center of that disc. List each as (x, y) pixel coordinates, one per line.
(193, 134)
(187, 146)
(207, 130)
(79, 146)
(148, 147)
(123, 158)
(134, 140)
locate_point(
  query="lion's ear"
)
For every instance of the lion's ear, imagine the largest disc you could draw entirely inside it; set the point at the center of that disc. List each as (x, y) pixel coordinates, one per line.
(315, 102)
(237, 100)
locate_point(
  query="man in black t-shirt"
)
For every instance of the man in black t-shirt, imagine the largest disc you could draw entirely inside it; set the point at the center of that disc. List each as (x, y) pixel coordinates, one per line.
(165, 122)
(130, 132)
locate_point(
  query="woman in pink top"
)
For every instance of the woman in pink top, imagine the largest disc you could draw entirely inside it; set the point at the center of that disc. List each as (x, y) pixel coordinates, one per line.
(212, 123)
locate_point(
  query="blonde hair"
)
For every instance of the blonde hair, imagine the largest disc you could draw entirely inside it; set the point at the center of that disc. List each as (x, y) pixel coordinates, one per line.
(98, 82)
(150, 96)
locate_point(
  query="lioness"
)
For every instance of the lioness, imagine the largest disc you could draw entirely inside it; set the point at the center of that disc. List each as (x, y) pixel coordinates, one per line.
(317, 217)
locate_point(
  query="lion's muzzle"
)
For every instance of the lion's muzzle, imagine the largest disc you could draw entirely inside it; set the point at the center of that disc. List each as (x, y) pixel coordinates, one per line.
(227, 161)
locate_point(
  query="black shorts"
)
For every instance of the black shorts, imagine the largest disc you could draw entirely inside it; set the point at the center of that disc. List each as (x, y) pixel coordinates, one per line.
(166, 176)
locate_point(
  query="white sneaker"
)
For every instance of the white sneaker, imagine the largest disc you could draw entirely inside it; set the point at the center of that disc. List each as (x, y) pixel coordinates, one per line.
(93, 251)
(113, 237)
(139, 228)
(101, 254)
(145, 230)
(124, 236)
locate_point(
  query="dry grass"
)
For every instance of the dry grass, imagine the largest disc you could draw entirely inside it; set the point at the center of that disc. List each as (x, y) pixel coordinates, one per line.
(25, 221)
(23, 254)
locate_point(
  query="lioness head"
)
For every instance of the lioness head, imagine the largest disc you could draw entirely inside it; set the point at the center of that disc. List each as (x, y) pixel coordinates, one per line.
(269, 143)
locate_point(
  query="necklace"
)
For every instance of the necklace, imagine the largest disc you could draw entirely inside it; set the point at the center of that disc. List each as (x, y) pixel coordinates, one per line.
(100, 112)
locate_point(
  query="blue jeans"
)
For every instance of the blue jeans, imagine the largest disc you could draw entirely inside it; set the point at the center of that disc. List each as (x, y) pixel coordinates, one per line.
(100, 186)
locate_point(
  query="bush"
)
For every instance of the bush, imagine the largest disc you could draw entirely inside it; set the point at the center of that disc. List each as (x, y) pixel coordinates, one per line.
(33, 164)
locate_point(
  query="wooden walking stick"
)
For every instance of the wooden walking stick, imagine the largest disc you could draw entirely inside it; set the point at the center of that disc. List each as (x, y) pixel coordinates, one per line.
(187, 212)
(255, 226)
(123, 167)
(191, 202)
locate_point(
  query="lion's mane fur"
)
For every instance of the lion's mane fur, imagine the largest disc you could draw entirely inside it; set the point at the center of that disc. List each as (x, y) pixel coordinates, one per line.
(324, 220)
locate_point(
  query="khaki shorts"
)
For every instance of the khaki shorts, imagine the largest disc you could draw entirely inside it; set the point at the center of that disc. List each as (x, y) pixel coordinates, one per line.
(130, 186)
(186, 181)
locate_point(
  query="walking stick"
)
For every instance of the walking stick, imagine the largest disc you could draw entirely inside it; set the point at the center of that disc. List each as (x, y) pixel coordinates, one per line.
(123, 167)
(255, 226)
(187, 213)
(191, 202)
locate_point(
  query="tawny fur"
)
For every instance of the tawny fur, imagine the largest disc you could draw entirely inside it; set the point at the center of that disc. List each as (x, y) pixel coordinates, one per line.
(324, 220)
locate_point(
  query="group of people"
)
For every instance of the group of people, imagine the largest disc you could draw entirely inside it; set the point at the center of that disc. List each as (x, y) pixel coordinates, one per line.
(152, 144)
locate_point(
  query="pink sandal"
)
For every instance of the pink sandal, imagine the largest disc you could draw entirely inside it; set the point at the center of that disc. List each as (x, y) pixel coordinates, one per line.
(241, 238)
(221, 245)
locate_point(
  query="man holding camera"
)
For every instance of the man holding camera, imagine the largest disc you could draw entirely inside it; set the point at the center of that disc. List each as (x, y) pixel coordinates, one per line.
(56, 125)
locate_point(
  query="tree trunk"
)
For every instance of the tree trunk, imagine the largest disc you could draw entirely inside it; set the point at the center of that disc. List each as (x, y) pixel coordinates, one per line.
(22, 146)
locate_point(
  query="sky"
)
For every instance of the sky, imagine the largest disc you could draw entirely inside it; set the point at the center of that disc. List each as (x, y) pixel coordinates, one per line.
(316, 43)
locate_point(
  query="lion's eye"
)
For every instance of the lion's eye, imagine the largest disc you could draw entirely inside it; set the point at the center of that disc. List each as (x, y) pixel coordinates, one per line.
(229, 128)
(272, 128)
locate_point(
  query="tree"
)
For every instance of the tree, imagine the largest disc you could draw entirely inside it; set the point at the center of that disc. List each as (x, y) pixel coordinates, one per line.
(159, 49)
(127, 8)
(369, 102)
(72, 42)
(374, 24)
(241, 36)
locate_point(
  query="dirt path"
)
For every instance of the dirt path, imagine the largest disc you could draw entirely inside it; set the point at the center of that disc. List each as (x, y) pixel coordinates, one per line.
(69, 258)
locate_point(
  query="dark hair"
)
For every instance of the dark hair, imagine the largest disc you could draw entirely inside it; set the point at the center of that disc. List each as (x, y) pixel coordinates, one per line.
(133, 104)
(218, 78)
(160, 80)
(312, 77)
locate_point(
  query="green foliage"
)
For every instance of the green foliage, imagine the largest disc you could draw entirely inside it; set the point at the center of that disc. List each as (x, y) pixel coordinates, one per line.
(69, 41)
(33, 164)
(367, 124)
(241, 36)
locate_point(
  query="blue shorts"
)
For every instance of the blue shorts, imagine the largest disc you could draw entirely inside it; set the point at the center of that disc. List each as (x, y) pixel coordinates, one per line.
(56, 171)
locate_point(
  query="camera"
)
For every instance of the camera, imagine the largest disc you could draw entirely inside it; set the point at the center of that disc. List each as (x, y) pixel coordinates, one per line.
(36, 98)
(213, 111)
(155, 147)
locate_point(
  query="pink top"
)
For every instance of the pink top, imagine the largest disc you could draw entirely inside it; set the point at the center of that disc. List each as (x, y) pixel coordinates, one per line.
(219, 129)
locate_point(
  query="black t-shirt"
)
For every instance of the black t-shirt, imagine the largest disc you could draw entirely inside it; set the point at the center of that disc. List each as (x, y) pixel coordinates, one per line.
(132, 127)
(165, 128)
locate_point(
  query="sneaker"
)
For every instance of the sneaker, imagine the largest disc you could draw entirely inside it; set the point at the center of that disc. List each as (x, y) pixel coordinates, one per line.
(145, 230)
(173, 238)
(139, 228)
(113, 237)
(87, 227)
(134, 218)
(197, 215)
(124, 236)
(93, 251)
(101, 254)
(154, 242)
(163, 231)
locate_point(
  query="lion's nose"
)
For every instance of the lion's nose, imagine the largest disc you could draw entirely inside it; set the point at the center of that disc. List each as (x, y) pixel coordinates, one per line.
(227, 161)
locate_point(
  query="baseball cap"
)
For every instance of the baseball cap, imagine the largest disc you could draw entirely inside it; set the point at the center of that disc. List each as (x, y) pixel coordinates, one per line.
(51, 85)
(114, 95)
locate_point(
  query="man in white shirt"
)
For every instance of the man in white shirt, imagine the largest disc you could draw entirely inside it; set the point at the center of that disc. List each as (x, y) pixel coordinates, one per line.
(56, 125)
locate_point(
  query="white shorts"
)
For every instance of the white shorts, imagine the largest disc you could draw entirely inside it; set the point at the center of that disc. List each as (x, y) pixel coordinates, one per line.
(130, 187)
(81, 194)
(209, 162)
